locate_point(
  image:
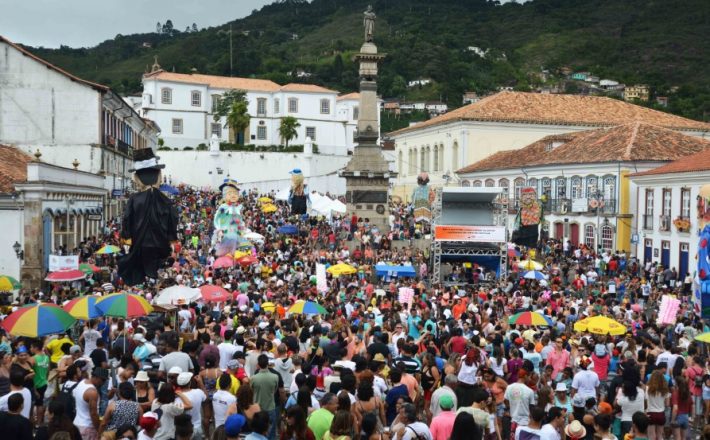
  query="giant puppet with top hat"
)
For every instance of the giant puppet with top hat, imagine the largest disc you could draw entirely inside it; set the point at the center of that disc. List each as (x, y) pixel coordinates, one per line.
(228, 222)
(149, 222)
(298, 194)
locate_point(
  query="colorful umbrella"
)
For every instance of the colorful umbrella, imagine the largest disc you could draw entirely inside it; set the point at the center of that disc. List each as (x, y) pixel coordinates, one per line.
(8, 283)
(124, 305)
(530, 265)
(63, 276)
(530, 318)
(89, 269)
(247, 260)
(534, 275)
(307, 308)
(177, 295)
(222, 262)
(512, 252)
(341, 269)
(265, 200)
(83, 307)
(109, 249)
(254, 236)
(600, 325)
(268, 307)
(214, 293)
(37, 320)
(269, 208)
(704, 337)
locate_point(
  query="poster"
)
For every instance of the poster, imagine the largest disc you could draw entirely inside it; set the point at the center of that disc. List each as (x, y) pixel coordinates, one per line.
(668, 311)
(470, 234)
(63, 262)
(321, 283)
(406, 296)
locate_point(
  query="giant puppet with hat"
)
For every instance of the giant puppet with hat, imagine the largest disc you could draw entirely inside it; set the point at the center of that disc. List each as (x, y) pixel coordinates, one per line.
(530, 216)
(298, 195)
(228, 222)
(149, 222)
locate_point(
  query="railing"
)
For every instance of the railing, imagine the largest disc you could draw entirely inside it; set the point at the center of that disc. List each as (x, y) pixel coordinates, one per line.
(648, 222)
(664, 223)
(560, 206)
(117, 144)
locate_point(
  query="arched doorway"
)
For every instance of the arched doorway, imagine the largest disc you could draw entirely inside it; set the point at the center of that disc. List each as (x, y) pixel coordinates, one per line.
(574, 233)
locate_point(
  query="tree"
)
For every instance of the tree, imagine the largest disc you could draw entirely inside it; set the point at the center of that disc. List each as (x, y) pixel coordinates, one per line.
(168, 27)
(194, 27)
(287, 129)
(234, 106)
(158, 28)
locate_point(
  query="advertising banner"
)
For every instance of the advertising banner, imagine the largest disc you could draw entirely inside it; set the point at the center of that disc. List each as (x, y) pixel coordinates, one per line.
(63, 262)
(471, 234)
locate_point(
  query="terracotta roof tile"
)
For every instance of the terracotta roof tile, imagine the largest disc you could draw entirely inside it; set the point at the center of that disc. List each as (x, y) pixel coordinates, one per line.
(218, 82)
(312, 88)
(13, 167)
(629, 142)
(355, 96)
(693, 163)
(538, 108)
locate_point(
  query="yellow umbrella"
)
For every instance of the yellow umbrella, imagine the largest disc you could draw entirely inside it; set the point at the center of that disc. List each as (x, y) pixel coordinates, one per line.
(704, 337)
(268, 307)
(530, 265)
(265, 200)
(268, 208)
(600, 325)
(342, 269)
(240, 254)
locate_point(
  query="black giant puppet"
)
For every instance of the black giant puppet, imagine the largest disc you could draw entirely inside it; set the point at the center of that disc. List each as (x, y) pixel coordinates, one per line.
(149, 221)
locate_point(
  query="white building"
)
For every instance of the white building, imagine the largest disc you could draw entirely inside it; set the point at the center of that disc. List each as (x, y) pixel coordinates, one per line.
(667, 199)
(183, 105)
(419, 82)
(509, 121)
(71, 121)
(583, 178)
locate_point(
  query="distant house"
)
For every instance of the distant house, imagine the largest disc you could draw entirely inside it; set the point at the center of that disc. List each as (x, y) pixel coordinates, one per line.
(419, 82)
(592, 79)
(608, 83)
(580, 76)
(478, 51)
(662, 101)
(419, 106)
(505, 88)
(294, 37)
(147, 45)
(470, 98)
(390, 105)
(406, 107)
(636, 92)
(437, 107)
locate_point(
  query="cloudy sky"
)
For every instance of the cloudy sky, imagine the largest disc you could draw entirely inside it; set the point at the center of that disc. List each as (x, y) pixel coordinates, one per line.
(85, 23)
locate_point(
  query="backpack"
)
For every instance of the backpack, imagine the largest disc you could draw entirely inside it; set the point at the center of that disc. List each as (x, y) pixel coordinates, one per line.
(417, 436)
(66, 398)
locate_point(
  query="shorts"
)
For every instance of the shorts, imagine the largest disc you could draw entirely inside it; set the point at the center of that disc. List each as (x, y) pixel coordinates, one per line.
(38, 399)
(681, 421)
(657, 418)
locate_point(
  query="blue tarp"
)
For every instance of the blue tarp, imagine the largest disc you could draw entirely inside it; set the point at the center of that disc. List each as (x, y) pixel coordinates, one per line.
(169, 189)
(385, 270)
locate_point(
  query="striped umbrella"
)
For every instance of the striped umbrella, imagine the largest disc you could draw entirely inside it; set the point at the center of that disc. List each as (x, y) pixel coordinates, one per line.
(534, 275)
(124, 305)
(83, 307)
(109, 249)
(64, 276)
(37, 320)
(530, 318)
(307, 308)
(8, 283)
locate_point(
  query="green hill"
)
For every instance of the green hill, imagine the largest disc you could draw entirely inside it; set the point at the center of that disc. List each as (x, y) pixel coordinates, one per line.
(660, 43)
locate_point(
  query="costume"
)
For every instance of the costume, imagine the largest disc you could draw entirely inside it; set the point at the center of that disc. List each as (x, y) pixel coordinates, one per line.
(529, 218)
(298, 196)
(149, 222)
(228, 221)
(422, 198)
(702, 282)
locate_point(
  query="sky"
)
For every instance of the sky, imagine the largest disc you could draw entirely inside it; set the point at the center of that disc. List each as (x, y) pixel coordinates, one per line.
(85, 23)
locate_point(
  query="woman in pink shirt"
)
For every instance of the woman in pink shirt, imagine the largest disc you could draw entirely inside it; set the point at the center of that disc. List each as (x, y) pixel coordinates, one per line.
(558, 359)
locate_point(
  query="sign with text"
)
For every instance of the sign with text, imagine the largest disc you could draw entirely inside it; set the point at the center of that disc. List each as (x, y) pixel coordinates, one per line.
(321, 282)
(470, 234)
(63, 262)
(406, 296)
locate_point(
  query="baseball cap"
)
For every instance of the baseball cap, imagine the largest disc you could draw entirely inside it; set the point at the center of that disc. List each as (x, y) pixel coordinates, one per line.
(234, 424)
(233, 364)
(175, 370)
(138, 337)
(149, 420)
(184, 378)
(600, 350)
(379, 357)
(446, 402)
(578, 401)
(75, 349)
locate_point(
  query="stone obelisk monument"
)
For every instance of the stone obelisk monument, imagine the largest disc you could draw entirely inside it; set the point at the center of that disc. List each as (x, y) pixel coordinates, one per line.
(367, 174)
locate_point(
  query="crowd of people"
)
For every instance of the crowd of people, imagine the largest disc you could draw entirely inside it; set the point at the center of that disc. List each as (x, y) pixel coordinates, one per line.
(447, 366)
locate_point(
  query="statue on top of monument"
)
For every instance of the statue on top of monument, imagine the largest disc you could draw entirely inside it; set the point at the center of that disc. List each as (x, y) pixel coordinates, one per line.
(369, 22)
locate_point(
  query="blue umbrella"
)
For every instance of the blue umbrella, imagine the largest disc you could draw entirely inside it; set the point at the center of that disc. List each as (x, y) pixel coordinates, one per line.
(534, 275)
(288, 230)
(169, 189)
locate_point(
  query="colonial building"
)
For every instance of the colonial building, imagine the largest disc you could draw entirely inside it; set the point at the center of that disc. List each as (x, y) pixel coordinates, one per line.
(667, 225)
(184, 104)
(74, 123)
(44, 207)
(509, 121)
(582, 178)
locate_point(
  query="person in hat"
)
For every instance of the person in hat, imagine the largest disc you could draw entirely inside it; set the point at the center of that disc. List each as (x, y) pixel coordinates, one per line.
(149, 221)
(233, 426)
(298, 195)
(575, 430)
(228, 222)
(149, 423)
(443, 423)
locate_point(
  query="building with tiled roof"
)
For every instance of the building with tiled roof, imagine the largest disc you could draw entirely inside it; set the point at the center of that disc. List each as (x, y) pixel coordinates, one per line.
(668, 218)
(584, 177)
(184, 104)
(510, 121)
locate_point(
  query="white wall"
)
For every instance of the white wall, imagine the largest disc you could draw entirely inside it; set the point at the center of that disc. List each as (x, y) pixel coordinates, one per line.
(11, 224)
(200, 168)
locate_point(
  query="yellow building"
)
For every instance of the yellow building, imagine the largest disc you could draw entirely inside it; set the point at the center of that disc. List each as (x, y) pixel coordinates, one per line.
(638, 92)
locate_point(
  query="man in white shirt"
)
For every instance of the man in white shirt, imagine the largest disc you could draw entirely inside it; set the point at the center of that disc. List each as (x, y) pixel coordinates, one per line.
(667, 357)
(531, 431)
(90, 336)
(551, 430)
(221, 400)
(226, 350)
(17, 381)
(519, 397)
(413, 428)
(197, 397)
(585, 382)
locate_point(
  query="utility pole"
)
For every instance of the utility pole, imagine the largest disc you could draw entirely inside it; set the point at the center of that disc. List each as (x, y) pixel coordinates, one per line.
(231, 52)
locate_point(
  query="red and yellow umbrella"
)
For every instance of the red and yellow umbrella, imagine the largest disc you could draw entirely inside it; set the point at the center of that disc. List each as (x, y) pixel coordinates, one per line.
(83, 307)
(124, 305)
(8, 283)
(530, 318)
(36, 320)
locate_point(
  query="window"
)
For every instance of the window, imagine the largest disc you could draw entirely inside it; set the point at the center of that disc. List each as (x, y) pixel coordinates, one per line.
(503, 183)
(547, 187)
(356, 113)
(261, 106)
(490, 183)
(292, 105)
(607, 237)
(166, 96)
(196, 99)
(591, 186)
(412, 161)
(422, 162)
(667, 202)
(561, 187)
(518, 185)
(215, 102)
(610, 188)
(441, 157)
(477, 183)
(311, 133)
(277, 105)
(649, 202)
(466, 183)
(685, 202)
(532, 183)
(576, 188)
(325, 106)
(399, 162)
(261, 133)
(436, 158)
(216, 128)
(589, 236)
(177, 126)
(455, 156)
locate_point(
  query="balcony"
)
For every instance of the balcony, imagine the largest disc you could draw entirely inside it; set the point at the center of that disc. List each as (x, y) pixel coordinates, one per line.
(117, 144)
(648, 222)
(664, 223)
(560, 206)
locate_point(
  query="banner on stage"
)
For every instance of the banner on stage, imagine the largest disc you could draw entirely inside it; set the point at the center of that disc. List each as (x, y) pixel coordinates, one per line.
(470, 234)
(63, 262)
(321, 283)
(406, 296)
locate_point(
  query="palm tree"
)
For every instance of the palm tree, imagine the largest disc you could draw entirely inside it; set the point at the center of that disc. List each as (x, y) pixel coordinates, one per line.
(287, 129)
(238, 117)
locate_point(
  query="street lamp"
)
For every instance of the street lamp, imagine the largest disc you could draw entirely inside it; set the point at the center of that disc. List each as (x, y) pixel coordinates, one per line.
(17, 247)
(598, 203)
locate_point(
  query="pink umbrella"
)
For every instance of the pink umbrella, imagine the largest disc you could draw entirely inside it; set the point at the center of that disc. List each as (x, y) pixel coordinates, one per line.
(223, 262)
(61, 276)
(214, 293)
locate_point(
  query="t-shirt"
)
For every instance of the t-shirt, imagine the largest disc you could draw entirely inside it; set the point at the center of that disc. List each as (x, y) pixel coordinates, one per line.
(176, 359)
(548, 432)
(630, 407)
(41, 369)
(442, 425)
(535, 358)
(319, 422)
(55, 348)
(98, 357)
(525, 433)
(520, 397)
(391, 400)
(90, 338)
(586, 383)
(220, 404)
(19, 426)
(226, 351)
(196, 396)
(414, 431)
(27, 407)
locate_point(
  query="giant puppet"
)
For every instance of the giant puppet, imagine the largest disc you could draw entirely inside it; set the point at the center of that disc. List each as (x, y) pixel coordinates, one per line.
(529, 219)
(702, 284)
(298, 195)
(228, 222)
(149, 222)
(422, 196)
